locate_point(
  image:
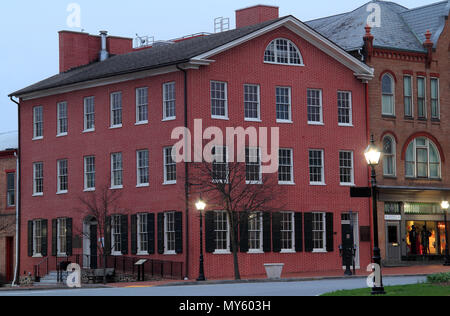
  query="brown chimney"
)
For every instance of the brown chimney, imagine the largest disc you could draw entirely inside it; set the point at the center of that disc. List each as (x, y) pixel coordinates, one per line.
(255, 15)
(368, 43)
(428, 44)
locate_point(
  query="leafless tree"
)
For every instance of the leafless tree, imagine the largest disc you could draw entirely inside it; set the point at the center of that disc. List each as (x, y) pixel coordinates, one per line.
(226, 187)
(101, 205)
(7, 223)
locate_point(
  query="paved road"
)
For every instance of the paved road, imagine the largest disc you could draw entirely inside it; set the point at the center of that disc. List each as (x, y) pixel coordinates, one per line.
(307, 288)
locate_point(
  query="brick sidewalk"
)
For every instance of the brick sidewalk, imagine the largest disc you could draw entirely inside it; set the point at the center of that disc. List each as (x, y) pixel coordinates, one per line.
(387, 271)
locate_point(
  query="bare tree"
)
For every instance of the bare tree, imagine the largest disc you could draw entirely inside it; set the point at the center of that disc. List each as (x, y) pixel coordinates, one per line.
(227, 187)
(7, 224)
(101, 205)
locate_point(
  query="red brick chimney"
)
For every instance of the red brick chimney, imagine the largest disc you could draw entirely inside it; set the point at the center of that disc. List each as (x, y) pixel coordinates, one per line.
(79, 49)
(428, 44)
(256, 14)
(368, 43)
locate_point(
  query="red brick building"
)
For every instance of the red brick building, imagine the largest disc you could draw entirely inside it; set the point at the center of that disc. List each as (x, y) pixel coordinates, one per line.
(8, 161)
(409, 110)
(108, 123)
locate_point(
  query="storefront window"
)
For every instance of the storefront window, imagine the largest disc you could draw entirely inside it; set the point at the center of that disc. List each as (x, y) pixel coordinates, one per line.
(422, 238)
(441, 229)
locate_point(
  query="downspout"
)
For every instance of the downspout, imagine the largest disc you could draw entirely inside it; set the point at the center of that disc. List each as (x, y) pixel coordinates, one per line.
(186, 172)
(17, 155)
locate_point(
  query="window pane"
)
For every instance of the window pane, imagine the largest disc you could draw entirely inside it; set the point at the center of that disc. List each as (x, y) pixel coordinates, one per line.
(283, 103)
(251, 100)
(218, 99)
(344, 108)
(169, 100)
(314, 105)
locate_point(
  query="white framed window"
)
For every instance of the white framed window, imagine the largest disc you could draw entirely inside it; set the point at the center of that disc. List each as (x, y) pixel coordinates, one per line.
(284, 105)
(389, 156)
(255, 232)
(169, 230)
(219, 100)
(252, 103)
(10, 189)
(142, 234)
(314, 104)
(220, 170)
(388, 95)
(421, 98)
(62, 236)
(38, 122)
(423, 159)
(287, 232)
(63, 175)
(319, 232)
(89, 173)
(62, 124)
(142, 105)
(222, 232)
(89, 114)
(116, 235)
(253, 166)
(170, 167)
(116, 171)
(284, 52)
(169, 101)
(316, 167)
(37, 238)
(116, 110)
(435, 106)
(38, 178)
(408, 95)
(345, 110)
(286, 166)
(143, 178)
(346, 168)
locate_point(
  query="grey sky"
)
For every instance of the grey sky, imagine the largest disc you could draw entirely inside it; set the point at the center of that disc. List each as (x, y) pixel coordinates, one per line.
(29, 52)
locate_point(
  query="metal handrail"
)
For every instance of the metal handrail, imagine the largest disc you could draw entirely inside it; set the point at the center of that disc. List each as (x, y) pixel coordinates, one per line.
(37, 268)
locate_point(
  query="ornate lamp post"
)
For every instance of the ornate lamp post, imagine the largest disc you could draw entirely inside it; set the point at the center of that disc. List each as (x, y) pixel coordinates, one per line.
(373, 156)
(445, 206)
(201, 206)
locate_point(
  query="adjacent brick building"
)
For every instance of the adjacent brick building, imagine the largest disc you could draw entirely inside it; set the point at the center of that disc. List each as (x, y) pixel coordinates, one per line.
(409, 111)
(108, 124)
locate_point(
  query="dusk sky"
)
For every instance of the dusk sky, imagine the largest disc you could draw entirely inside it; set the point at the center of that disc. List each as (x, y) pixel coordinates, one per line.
(29, 30)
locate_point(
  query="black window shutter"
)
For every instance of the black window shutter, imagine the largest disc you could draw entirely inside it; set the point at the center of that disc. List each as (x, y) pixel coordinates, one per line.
(330, 232)
(69, 236)
(298, 232)
(161, 233)
(267, 233)
(151, 233)
(309, 243)
(124, 234)
(234, 229)
(210, 236)
(44, 238)
(30, 239)
(134, 235)
(276, 232)
(243, 225)
(107, 236)
(54, 237)
(179, 232)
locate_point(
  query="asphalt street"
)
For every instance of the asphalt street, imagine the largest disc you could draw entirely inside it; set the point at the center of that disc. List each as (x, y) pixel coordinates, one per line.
(306, 288)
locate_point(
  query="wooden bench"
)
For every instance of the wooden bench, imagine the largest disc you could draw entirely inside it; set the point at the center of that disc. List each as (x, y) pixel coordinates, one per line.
(97, 275)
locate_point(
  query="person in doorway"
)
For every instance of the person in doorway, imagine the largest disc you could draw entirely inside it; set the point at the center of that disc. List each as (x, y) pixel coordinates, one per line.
(425, 238)
(413, 240)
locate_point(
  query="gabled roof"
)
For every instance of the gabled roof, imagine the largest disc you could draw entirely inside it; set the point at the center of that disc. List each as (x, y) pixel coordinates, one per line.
(401, 28)
(195, 50)
(9, 140)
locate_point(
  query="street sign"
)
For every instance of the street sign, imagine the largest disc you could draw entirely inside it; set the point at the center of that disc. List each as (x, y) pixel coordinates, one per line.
(140, 262)
(360, 192)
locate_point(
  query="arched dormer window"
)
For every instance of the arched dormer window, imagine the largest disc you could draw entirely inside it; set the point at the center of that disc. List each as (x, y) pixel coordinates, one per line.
(283, 51)
(388, 97)
(422, 159)
(389, 156)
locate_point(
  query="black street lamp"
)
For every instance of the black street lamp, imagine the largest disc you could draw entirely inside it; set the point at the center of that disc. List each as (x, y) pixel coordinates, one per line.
(373, 156)
(201, 206)
(445, 206)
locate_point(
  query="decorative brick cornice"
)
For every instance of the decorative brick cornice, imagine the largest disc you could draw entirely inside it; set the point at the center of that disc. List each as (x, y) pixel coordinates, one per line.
(400, 55)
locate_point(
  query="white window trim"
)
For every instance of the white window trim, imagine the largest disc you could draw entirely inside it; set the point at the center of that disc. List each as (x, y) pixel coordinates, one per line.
(166, 182)
(393, 95)
(115, 187)
(166, 240)
(323, 182)
(351, 109)
(35, 193)
(113, 240)
(352, 183)
(139, 184)
(58, 237)
(260, 181)
(258, 119)
(394, 156)
(220, 117)
(138, 122)
(290, 120)
(261, 236)
(228, 250)
(302, 64)
(34, 123)
(428, 144)
(324, 249)
(425, 104)
(411, 78)
(227, 163)
(114, 126)
(86, 189)
(88, 130)
(321, 123)
(58, 175)
(35, 253)
(168, 118)
(292, 182)
(58, 124)
(140, 252)
(438, 98)
(290, 250)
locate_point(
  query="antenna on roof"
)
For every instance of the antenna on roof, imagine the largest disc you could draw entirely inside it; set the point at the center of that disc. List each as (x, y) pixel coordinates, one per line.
(221, 24)
(143, 41)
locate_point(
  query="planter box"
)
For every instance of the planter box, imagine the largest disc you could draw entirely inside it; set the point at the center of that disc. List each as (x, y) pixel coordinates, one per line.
(274, 270)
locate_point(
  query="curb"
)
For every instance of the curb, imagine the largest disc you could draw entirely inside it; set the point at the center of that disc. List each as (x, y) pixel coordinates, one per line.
(49, 288)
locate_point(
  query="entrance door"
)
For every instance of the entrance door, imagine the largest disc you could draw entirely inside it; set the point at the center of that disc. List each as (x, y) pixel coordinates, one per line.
(9, 258)
(393, 250)
(93, 246)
